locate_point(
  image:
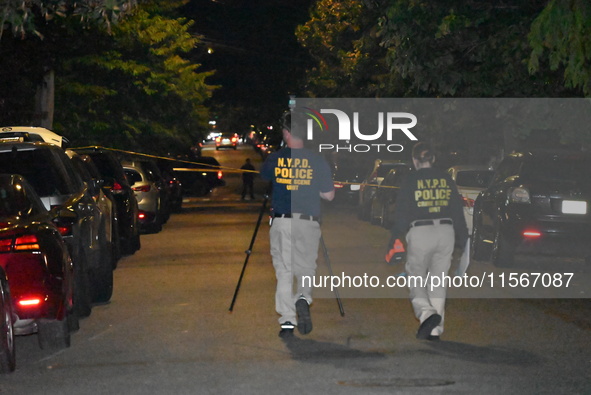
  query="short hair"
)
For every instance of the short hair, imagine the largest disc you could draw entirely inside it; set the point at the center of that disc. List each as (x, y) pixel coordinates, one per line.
(423, 153)
(295, 123)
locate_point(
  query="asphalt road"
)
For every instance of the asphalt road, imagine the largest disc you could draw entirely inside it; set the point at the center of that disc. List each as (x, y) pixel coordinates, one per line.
(168, 329)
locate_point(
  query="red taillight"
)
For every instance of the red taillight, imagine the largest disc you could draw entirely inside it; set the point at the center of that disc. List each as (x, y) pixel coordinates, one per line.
(531, 233)
(29, 302)
(220, 174)
(64, 230)
(20, 243)
(141, 215)
(338, 185)
(5, 245)
(27, 242)
(145, 188)
(117, 188)
(468, 202)
(234, 139)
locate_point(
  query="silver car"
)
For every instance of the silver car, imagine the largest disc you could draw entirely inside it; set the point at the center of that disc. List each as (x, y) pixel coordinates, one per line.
(148, 195)
(470, 180)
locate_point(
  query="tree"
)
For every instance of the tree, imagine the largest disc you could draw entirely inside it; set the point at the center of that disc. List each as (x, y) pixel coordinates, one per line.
(24, 17)
(32, 61)
(136, 91)
(561, 36)
(341, 37)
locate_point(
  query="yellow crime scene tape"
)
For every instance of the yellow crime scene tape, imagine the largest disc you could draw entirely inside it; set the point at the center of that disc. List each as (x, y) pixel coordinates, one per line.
(217, 167)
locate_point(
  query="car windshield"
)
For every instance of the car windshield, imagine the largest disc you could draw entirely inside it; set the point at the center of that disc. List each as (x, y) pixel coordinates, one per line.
(576, 170)
(474, 178)
(35, 166)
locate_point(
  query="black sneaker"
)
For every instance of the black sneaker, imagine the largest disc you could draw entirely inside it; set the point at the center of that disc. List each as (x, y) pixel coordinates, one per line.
(427, 326)
(304, 319)
(286, 330)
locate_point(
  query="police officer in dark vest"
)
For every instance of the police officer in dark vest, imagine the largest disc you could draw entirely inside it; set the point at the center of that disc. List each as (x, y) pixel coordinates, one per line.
(300, 179)
(429, 212)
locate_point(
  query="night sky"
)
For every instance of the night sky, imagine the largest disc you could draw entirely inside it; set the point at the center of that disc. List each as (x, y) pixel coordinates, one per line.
(255, 52)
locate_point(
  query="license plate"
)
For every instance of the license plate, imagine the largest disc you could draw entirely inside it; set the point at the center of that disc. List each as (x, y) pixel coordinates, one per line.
(355, 187)
(574, 207)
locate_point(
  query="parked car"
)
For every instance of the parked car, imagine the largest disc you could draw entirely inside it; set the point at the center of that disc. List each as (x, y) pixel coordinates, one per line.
(113, 178)
(348, 171)
(269, 144)
(470, 180)
(174, 185)
(378, 171)
(7, 348)
(150, 195)
(31, 134)
(226, 140)
(383, 201)
(105, 206)
(51, 173)
(201, 176)
(536, 202)
(37, 264)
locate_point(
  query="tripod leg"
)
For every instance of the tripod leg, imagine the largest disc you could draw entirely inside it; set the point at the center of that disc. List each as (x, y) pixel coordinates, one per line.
(336, 291)
(249, 251)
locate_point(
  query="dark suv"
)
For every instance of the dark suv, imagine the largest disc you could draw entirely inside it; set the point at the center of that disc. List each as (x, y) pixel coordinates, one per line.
(125, 202)
(51, 173)
(536, 202)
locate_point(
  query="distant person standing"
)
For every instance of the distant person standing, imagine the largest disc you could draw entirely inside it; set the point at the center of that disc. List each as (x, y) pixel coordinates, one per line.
(429, 212)
(248, 173)
(300, 179)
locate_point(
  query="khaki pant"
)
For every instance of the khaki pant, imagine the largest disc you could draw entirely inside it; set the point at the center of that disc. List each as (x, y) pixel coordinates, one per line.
(429, 251)
(294, 249)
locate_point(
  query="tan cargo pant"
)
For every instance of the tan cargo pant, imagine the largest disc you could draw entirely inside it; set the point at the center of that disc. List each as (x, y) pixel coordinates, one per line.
(294, 249)
(429, 251)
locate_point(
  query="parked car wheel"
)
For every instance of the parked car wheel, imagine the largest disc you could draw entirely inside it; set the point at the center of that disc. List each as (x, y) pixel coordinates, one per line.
(199, 188)
(102, 275)
(7, 349)
(82, 295)
(73, 321)
(376, 213)
(479, 250)
(502, 252)
(53, 334)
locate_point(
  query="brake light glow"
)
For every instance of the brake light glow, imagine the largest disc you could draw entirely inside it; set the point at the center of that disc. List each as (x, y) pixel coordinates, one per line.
(5, 245)
(468, 202)
(338, 185)
(141, 215)
(234, 139)
(117, 187)
(145, 188)
(220, 174)
(27, 242)
(531, 233)
(64, 230)
(31, 302)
